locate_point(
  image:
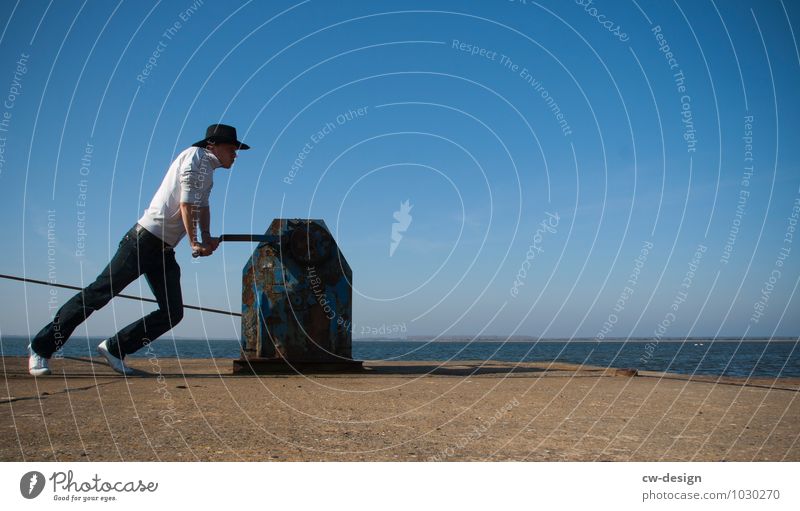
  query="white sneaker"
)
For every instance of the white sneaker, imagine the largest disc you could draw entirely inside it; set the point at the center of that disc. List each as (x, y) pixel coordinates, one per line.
(116, 364)
(37, 364)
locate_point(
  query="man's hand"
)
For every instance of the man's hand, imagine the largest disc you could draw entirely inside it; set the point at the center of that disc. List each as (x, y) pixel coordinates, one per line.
(204, 249)
(211, 242)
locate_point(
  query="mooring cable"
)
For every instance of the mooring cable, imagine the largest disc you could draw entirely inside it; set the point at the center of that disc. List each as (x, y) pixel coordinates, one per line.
(130, 297)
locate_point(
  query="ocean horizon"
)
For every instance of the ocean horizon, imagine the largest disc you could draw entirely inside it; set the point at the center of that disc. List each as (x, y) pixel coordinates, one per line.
(758, 358)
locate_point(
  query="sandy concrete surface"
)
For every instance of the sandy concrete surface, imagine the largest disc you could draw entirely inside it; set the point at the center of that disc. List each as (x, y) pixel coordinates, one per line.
(190, 410)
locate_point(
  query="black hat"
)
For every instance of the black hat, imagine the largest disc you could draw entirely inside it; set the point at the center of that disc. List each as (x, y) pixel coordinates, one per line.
(220, 134)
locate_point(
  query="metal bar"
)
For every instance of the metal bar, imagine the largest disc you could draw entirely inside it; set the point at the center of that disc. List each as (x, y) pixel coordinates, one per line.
(259, 238)
(130, 297)
(247, 237)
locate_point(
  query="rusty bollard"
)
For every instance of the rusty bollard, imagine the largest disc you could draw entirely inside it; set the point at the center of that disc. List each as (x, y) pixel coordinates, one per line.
(297, 303)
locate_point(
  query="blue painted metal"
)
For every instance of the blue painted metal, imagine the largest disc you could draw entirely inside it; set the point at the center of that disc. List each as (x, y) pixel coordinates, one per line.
(297, 296)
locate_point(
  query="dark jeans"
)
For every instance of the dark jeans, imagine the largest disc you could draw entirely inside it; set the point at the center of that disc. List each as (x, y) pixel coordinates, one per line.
(139, 252)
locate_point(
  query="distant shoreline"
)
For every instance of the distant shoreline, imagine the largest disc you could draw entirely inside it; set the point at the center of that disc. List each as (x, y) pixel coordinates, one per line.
(694, 356)
(496, 339)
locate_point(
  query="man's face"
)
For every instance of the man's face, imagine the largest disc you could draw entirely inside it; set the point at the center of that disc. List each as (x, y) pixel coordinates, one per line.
(225, 153)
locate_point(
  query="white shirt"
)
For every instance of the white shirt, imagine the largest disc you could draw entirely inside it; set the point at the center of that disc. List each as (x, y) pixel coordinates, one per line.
(189, 179)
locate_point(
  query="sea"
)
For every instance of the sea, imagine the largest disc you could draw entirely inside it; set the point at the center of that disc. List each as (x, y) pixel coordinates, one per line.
(735, 358)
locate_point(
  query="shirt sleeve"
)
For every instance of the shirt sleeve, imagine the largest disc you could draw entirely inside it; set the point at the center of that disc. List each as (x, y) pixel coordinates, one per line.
(196, 179)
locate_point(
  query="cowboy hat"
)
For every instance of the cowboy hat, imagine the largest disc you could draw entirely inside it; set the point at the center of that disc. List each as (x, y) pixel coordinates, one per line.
(220, 134)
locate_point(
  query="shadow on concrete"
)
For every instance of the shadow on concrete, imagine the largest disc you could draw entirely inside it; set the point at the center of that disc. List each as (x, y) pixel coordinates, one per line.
(449, 369)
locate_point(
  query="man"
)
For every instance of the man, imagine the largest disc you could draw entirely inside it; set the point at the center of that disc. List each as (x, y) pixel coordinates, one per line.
(179, 207)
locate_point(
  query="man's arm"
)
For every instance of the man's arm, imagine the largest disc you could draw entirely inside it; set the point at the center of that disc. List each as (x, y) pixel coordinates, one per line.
(196, 182)
(205, 230)
(192, 217)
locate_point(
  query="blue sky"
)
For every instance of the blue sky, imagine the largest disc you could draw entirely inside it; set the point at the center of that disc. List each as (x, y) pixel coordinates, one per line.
(489, 117)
